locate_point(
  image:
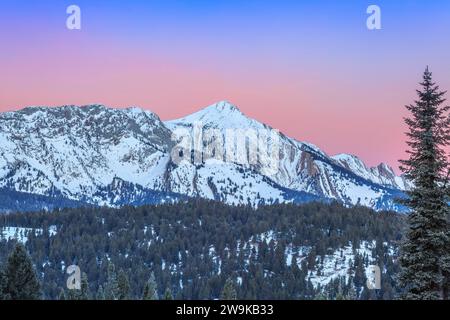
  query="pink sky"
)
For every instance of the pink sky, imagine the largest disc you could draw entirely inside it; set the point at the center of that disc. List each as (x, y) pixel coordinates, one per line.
(356, 114)
(343, 89)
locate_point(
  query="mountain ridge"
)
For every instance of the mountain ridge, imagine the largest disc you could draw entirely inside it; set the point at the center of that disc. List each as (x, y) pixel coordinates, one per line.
(80, 151)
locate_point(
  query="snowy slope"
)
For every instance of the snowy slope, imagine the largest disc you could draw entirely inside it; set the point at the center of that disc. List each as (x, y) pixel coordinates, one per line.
(79, 150)
(103, 156)
(381, 174)
(299, 166)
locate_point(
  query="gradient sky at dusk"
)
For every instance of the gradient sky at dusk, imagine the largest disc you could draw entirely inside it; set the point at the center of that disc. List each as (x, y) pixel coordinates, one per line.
(309, 68)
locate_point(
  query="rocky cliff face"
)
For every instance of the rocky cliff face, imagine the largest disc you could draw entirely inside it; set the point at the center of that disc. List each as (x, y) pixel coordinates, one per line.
(102, 156)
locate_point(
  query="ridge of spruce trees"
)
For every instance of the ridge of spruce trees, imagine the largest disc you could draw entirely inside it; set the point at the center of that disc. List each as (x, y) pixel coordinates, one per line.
(425, 254)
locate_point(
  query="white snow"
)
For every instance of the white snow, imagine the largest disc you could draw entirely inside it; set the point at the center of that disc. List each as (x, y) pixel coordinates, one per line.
(338, 264)
(79, 150)
(382, 174)
(20, 234)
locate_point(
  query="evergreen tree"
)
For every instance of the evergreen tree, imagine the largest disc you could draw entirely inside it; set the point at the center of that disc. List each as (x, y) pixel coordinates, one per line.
(425, 251)
(320, 296)
(84, 291)
(22, 282)
(351, 295)
(151, 289)
(168, 294)
(123, 286)
(62, 295)
(100, 236)
(112, 285)
(3, 283)
(340, 293)
(100, 293)
(229, 290)
(72, 294)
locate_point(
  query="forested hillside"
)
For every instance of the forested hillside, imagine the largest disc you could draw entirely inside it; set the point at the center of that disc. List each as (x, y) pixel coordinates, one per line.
(313, 251)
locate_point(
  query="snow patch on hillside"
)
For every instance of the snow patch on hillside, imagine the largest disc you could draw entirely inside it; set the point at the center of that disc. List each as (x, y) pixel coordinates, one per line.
(21, 234)
(338, 263)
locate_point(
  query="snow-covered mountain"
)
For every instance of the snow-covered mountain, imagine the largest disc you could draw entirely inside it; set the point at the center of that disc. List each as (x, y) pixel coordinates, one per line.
(103, 156)
(381, 174)
(80, 152)
(299, 166)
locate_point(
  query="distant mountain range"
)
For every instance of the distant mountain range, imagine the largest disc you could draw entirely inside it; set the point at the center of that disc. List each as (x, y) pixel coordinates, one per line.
(93, 155)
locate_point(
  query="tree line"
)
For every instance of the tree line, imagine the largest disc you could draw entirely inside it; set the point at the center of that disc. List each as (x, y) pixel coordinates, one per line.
(194, 247)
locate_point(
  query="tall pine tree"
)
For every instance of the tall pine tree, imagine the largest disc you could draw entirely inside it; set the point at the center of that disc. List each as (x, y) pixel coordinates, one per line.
(21, 280)
(3, 283)
(229, 290)
(100, 293)
(425, 251)
(83, 293)
(112, 285)
(168, 294)
(151, 289)
(62, 295)
(123, 286)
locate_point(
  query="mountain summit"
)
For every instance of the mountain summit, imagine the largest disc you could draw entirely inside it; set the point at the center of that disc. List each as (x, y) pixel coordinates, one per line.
(221, 115)
(95, 155)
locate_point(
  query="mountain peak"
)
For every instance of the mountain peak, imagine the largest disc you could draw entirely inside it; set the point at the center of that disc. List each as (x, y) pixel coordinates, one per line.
(224, 106)
(222, 115)
(349, 160)
(384, 168)
(82, 152)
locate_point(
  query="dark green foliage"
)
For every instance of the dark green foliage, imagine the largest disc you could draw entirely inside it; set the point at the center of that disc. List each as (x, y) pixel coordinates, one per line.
(351, 292)
(100, 294)
(62, 295)
(425, 258)
(21, 280)
(80, 294)
(320, 296)
(3, 283)
(229, 291)
(150, 289)
(84, 292)
(194, 247)
(112, 283)
(168, 294)
(123, 286)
